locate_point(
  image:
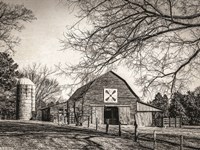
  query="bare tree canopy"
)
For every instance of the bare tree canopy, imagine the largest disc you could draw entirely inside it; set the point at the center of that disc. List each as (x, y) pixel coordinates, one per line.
(47, 88)
(156, 39)
(11, 18)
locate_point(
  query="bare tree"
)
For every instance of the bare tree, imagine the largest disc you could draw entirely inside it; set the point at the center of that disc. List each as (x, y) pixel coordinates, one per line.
(47, 88)
(156, 39)
(80, 79)
(11, 18)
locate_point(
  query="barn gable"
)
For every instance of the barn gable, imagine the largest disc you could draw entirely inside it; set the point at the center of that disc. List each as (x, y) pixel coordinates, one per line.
(110, 80)
(104, 80)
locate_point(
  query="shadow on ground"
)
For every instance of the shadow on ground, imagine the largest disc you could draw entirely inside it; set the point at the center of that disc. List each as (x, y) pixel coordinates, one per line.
(24, 135)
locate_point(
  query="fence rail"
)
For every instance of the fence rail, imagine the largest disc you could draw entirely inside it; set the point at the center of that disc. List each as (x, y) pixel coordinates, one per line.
(168, 122)
(158, 140)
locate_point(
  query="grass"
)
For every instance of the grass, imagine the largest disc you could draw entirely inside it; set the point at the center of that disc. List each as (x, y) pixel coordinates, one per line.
(41, 135)
(169, 138)
(35, 135)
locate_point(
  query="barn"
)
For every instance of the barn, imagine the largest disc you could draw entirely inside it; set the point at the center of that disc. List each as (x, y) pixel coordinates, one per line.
(107, 98)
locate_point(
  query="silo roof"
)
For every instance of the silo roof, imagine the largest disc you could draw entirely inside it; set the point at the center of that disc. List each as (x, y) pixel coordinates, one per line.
(25, 81)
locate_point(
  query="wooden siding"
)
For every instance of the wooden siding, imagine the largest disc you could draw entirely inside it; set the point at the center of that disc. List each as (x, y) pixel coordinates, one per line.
(98, 113)
(141, 107)
(144, 119)
(124, 115)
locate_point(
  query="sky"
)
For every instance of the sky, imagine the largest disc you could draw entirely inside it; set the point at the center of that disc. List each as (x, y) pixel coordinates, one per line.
(40, 40)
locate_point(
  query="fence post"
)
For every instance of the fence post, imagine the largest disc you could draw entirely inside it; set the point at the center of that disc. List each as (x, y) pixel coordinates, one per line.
(107, 125)
(88, 121)
(119, 128)
(58, 117)
(154, 140)
(136, 132)
(64, 115)
(169, 122)
(96, 123)
(175, 121)
(68, 115)
(181, 142)
(181, 119)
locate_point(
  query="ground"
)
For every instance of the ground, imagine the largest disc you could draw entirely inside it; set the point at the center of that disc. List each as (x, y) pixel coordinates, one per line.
(25, 135)
(36, 135)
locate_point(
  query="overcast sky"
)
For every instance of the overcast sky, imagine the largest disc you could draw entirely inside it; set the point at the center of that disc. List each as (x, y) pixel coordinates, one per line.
(40, 38)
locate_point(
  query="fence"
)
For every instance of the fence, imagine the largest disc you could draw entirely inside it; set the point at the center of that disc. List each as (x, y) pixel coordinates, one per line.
(172, 122)
(7, 115)
(153, 140)
(157, 141)
(70, 118)
(168, 122)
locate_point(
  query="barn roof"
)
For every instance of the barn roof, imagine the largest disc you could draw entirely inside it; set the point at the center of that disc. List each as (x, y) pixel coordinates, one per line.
(144, 107)
(126, 84)
(80, 92)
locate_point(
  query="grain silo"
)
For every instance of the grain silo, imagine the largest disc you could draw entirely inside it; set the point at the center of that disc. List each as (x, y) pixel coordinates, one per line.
(25, 105)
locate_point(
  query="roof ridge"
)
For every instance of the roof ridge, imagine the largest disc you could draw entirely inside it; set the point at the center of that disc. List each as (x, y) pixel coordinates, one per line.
(126, 84)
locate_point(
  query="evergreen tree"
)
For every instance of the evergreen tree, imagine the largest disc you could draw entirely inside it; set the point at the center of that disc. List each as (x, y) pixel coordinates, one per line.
(177, 108)
(161, 102)
(192, 109)
(8, 71)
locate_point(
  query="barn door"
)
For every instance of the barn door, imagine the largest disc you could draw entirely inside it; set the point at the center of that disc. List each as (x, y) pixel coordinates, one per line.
(97, 113)
(112, 114)
(124, 115)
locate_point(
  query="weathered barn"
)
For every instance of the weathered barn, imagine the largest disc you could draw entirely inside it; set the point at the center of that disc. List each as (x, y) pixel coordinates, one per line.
(110, 97)
(107, 97)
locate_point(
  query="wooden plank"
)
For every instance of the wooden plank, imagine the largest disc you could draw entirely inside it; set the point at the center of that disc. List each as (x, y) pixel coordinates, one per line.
(144, 119)
(124, 115)
(99, 114)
